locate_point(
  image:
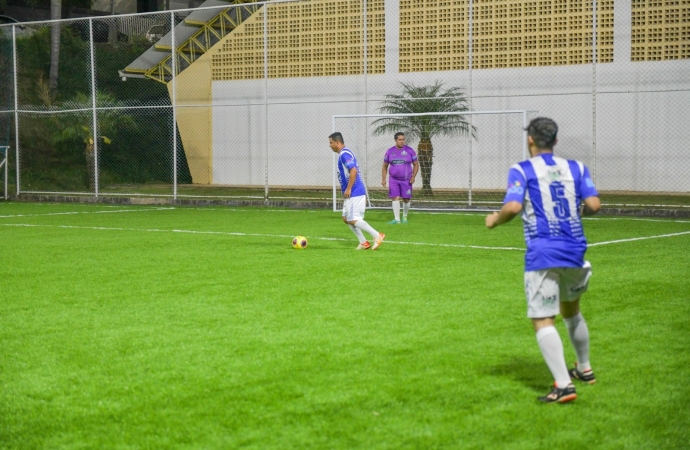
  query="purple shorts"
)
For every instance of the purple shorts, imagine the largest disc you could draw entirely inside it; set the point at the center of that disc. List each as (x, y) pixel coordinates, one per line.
(399, 188)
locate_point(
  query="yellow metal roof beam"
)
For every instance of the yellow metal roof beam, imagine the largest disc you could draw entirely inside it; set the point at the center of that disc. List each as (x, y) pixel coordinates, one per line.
(199, 43)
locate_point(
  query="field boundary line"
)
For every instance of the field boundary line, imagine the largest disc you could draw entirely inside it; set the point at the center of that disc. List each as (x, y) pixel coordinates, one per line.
(642, 238)
(237, 233)
(69, 213)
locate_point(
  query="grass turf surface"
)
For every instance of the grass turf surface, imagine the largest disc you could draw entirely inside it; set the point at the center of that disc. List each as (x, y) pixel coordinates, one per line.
(161, 327)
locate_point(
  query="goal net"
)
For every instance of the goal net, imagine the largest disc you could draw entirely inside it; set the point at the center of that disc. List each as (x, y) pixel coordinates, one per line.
(463, 157)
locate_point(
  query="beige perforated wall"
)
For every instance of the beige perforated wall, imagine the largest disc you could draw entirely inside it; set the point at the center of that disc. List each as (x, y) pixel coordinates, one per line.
(506, 33)
(305, 39)
(660, 30)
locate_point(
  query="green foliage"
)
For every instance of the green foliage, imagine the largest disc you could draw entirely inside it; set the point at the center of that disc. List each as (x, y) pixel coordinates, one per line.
(142, 327)
(53, 146)
(424, 99)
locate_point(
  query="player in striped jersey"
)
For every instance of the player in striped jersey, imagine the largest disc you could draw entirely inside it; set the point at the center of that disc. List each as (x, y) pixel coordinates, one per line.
(552, 193)
(354, 193)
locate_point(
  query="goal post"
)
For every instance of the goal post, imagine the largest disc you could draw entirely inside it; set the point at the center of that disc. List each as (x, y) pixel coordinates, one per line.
(462, 163)
(4, 150)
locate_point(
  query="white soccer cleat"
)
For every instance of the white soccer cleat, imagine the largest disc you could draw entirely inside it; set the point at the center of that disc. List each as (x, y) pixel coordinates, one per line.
(364, 246)
(378, 241)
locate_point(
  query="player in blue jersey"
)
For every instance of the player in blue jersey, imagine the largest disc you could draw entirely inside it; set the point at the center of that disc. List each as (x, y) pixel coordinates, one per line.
(552, 193)
(354, 193)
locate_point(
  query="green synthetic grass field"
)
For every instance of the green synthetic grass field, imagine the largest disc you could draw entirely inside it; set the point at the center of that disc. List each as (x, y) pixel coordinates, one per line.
(172, 327)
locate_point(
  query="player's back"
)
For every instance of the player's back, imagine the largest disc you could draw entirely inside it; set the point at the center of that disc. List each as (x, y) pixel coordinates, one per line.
(552, 225)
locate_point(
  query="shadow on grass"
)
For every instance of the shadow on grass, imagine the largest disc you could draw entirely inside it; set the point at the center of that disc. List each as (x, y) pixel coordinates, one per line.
(533, 373)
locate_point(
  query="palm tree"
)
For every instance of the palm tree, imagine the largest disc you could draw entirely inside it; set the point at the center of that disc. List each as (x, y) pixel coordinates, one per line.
(110, 121)
(425, 99)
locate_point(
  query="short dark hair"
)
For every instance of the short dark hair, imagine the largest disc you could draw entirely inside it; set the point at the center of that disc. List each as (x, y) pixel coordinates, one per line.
(337, 137)
(399, 133)
(543, 132)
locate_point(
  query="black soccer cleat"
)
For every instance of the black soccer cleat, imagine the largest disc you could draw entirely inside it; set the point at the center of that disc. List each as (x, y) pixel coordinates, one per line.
(558, 395)
(587, 376)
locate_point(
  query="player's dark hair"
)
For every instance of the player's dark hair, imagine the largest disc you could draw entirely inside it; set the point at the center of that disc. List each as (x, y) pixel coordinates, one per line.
(543, 132)
(399, 133)
(337, 137)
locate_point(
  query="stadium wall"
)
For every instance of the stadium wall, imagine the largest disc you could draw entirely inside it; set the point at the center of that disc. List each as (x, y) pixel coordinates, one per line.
(638, 111)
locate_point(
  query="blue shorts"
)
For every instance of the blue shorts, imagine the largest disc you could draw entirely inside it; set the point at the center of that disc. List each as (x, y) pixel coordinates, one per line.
(399, 188)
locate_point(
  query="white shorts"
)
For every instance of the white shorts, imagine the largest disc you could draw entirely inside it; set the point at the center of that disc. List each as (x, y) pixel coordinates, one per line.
(353, 207)
(545, 289)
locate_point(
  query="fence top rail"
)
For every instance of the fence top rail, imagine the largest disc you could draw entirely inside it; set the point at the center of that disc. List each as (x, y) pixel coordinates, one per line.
(456, 113)
(173, 11)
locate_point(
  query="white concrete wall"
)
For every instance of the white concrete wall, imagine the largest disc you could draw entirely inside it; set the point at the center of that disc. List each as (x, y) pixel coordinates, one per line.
(642, 121)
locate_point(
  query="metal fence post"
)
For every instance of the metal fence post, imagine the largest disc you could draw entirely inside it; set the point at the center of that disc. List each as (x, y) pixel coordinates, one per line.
(173, 98)
(16, 104)
(594, 91)
(266, 101)
(93, 109)
(470, 40)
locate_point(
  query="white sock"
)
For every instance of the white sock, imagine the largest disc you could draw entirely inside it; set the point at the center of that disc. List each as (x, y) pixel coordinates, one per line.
(406, 209)
(396, 210)
(551, 348)
(358, 233)
(362, 225)
(579, 336)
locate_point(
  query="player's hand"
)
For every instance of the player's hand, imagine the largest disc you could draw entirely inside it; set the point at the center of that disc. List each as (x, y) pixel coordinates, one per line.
(347, 193)
(412, 180)
(491, 220)
(383, 183)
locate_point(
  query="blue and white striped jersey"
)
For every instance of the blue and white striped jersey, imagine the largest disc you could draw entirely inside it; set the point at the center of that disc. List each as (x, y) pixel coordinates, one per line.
(346, 161)
(550, 190)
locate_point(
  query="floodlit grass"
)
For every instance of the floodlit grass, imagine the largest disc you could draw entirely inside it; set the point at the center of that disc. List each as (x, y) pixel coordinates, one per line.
(161, 327)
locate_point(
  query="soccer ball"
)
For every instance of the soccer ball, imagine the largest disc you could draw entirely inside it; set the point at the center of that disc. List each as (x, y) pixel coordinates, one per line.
(299, 242)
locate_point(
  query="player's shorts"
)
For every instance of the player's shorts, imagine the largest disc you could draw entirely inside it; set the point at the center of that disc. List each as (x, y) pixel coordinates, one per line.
(399, 188)
(545, 289)
(353, 207)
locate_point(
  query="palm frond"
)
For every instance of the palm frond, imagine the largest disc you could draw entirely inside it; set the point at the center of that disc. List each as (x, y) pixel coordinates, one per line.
(425, 99)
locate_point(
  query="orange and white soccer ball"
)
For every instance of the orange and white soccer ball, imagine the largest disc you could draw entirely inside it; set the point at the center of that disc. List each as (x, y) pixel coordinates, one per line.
(299, 242)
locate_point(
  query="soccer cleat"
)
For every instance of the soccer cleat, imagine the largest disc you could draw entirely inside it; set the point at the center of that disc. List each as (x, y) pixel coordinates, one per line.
(558, 395)
(364, 246)
(378, 241)
(587, 376)
(394, 222)
(404, 220)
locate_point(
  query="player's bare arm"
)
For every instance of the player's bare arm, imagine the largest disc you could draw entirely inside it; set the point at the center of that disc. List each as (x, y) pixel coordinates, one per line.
(350, 183)
(590, 206)
(384, 172)
(415, 169)
(506, 214)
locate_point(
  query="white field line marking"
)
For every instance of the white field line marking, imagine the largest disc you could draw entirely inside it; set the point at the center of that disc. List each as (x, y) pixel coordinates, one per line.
(68, 213)
(231, 233)
(638, 220)
(638, 238)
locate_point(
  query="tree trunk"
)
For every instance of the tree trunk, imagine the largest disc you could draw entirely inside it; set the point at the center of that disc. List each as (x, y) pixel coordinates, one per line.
(425, 154)
(90, 166)
(55, 11)
(112, 26)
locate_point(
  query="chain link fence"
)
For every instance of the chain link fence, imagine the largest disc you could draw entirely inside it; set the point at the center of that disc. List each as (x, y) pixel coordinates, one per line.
(236, 100)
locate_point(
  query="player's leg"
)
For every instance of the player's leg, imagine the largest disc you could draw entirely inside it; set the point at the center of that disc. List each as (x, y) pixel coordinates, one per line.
(406, 197)
(348, 213)
(357, 219)
(542, 290)
(394, 195)
(574, 282)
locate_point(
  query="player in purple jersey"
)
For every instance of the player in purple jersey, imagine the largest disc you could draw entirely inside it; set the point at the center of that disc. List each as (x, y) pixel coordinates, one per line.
(403, 170)
(354, 193)
(552, 193)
